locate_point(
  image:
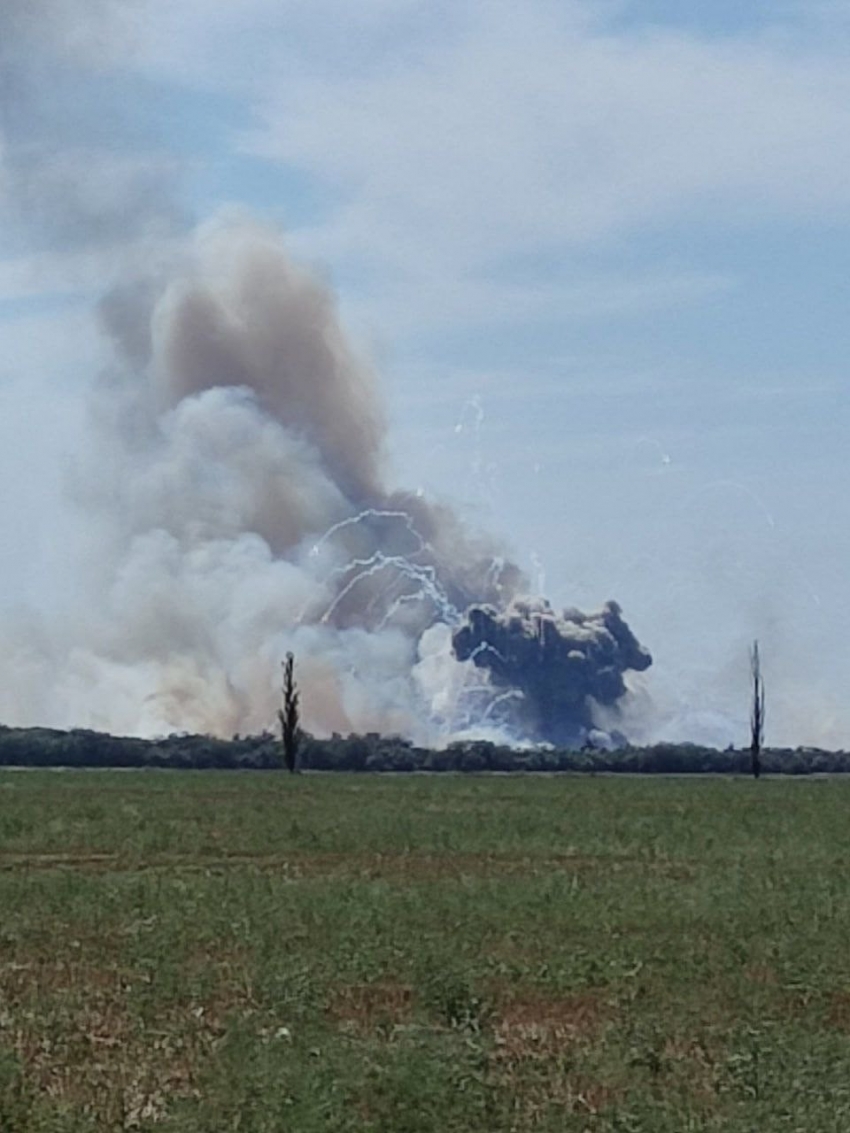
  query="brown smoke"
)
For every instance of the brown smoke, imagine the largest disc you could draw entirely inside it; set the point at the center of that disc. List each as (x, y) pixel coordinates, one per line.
(235, 479)
(260, 323)
(232, 496)
(233, 508)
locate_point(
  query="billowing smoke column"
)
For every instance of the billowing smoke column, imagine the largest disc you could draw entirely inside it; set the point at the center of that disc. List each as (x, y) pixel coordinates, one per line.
(233, 476)
(557, 664)
(231, 499)
(234, 509)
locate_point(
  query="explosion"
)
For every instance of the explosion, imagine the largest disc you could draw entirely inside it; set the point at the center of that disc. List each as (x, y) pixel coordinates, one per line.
(231, 502)
(559, 664)
(236, 509)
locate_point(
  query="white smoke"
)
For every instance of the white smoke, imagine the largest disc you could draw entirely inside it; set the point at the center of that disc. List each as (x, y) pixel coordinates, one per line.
(235, 431)
(230, 496)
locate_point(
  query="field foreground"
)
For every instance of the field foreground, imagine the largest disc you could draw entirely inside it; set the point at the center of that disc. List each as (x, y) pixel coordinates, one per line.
(257, 952)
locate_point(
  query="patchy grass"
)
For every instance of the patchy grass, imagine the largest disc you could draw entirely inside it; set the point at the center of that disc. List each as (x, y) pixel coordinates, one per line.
(261, 952)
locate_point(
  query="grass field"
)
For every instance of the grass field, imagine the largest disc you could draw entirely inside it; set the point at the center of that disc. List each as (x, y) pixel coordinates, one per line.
(258, 952)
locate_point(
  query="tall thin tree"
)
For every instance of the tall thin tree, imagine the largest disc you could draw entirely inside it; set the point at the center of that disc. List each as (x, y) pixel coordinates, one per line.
(756, 711)
(290, 731)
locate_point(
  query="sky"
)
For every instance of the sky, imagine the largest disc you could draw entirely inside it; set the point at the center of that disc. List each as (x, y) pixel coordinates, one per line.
(594, 251)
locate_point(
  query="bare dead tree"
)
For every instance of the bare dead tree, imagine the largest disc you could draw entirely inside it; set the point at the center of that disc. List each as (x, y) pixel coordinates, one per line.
(757, 711)
(289, 715)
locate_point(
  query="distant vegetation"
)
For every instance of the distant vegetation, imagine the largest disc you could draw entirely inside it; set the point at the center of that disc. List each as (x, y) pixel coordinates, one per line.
(47, 747)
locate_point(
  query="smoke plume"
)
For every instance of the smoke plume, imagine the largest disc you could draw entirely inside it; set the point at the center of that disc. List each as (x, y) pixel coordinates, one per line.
(231, 497)
(234, 508)
(557, 665)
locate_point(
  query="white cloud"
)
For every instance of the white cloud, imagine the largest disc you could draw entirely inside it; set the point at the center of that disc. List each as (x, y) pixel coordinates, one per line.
(448, 138)
(454, 301)
(235, 47)
(528, 133)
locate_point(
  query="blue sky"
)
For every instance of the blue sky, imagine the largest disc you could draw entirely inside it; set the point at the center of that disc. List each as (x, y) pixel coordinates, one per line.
(597, 252)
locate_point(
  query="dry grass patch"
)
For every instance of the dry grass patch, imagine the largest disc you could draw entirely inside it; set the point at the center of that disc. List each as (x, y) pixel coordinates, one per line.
(538, 1043)
(693, 1067)
(838, 1010)
(96, 1056)
(763, 975)
(91, 1038)
(371, 1007)
(536, 1025)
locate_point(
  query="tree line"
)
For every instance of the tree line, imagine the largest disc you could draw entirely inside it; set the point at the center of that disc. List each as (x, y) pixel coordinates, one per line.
(47, 747)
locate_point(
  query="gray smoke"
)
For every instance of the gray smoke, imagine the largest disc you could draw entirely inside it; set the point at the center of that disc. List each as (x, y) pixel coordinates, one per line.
(561, 665)
(234, 508)
(231, 497)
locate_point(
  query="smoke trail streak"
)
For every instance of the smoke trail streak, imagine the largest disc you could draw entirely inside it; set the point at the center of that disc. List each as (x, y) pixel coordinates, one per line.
(424, 576)
(503, 698)
(369, 513)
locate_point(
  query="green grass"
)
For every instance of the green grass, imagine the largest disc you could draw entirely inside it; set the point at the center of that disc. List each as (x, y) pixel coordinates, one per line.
(259, 952)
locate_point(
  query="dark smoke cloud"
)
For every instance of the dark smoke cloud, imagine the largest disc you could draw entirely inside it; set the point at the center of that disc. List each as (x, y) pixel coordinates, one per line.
(560, 663)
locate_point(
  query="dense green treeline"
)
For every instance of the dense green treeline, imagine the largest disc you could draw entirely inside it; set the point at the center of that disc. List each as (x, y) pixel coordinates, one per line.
(47, 747)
